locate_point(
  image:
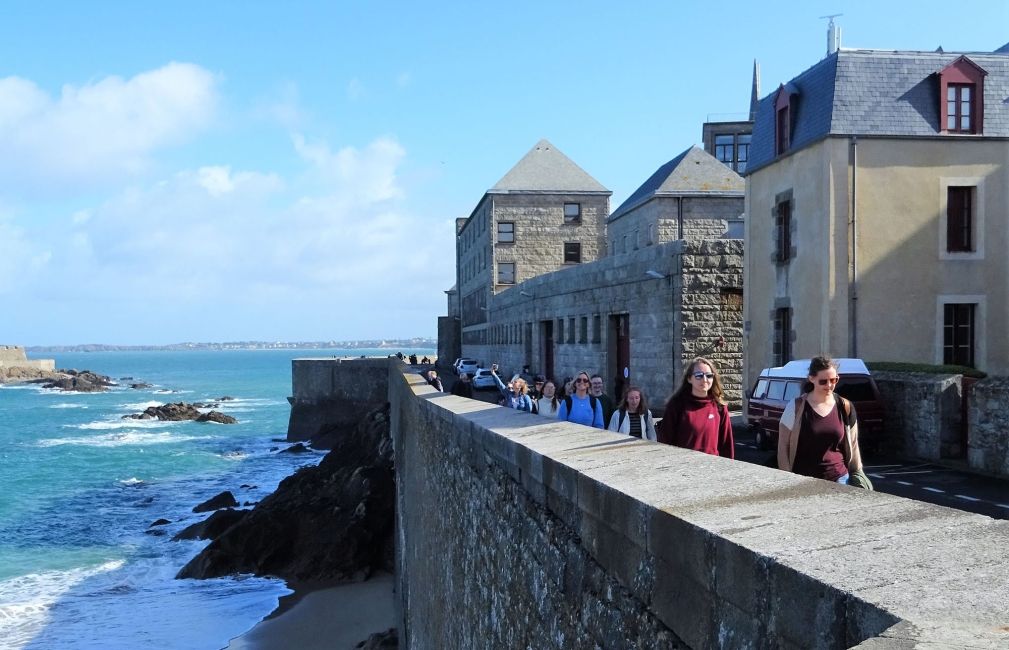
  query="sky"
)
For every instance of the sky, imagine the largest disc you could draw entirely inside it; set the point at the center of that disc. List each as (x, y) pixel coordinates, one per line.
(225, 171)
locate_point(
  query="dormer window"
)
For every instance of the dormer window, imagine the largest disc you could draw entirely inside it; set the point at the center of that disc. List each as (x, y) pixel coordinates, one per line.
(961, 85)
(783, 111)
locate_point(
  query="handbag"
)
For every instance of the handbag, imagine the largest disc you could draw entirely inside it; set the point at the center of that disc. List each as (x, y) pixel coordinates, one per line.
(860, 480)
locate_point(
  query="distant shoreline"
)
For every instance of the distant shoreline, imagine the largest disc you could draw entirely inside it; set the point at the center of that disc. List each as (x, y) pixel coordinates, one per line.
(392, 345)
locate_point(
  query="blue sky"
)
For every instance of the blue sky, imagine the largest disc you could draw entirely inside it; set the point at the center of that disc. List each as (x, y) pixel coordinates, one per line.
(222, 171)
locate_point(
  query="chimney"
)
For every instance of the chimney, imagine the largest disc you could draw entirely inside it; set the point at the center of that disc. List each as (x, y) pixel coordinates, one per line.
(833, 34)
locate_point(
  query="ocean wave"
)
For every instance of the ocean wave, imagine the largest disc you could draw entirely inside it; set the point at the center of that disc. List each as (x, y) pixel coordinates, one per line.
(26, 601)
(139, 406)
(121, 439)
(103, 425)
(133, 480)
(168, 391)
(65, 405)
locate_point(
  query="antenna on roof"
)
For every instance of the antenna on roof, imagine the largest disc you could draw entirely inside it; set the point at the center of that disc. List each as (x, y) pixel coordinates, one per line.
(833, 34)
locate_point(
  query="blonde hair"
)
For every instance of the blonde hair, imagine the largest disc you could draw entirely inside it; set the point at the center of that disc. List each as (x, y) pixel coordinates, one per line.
(521, 384)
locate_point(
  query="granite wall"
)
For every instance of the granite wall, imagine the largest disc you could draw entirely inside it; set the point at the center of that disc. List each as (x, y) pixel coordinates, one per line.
(988, 441)
(332, 393)
(922, 416)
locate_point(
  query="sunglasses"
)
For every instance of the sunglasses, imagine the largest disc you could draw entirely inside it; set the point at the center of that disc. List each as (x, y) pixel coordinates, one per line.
(704, 375)
(824, 382)
(580, 380)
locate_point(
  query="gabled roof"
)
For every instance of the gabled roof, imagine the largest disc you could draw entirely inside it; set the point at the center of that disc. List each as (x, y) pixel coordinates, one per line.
(876, 93)
(546, 169)
(694, 171)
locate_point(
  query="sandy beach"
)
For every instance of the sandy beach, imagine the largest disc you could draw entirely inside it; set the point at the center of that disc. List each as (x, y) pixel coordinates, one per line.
(330, 618)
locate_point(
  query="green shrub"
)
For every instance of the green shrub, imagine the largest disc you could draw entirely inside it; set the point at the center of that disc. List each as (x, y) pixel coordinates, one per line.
(898, 366)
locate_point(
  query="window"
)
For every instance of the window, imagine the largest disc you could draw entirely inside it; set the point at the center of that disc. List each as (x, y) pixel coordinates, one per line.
(783, 231)
(742, 151)
(958, 108)
(725, 149)
(506, 232)
(572, 213)
(572, 252)
(959, 219)
(583, 331)
(651, 234)
(760, 389)
(781, 130)
(560, 330)
(571, 330)
(782, 347)
(792, 390)
(625, 244)
(776, 389)
(961, 97)
(637, 239)
(506, 272)
(596, 329)
(958, 334)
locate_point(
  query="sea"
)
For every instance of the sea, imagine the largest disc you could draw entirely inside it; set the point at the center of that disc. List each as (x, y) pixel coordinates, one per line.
(80, 564)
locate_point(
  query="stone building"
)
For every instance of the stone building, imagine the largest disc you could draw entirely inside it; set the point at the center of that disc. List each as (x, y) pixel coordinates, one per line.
(544, 214)
(693, 196)
(876, 200)
(13, 356)
(637, 315)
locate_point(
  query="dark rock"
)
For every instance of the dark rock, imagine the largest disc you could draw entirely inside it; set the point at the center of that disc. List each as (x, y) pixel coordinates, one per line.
(212, 526)
(223, 500)
(246, 486)
(157, 532)
(83, 381)
(226, 398)
(379, 640)
(140, 385)
(216, 416)
(308, 529)
(161, 522)
(126, 379)
(296, 449)
(250, 503)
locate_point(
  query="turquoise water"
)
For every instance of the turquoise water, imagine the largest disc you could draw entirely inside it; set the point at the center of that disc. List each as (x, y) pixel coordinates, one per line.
(80, 486)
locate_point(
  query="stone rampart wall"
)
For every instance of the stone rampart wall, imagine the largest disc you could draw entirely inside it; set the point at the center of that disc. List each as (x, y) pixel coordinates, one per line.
(922, 415)
(14, 356)
(988, 441)
(517, 531)
(329, 392)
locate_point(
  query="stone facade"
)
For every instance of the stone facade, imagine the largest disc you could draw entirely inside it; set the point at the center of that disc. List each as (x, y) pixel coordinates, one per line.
(658, 221)
(674, 301)
(922, 414)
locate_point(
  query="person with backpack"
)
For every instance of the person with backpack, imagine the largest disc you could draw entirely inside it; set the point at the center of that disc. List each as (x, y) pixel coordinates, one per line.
(696, 416)
(549, 402)
(581, 407)
(632, 415)
(818, 432)
(515, 394)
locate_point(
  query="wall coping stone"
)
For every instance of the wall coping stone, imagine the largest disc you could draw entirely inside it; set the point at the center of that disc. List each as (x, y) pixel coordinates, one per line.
(813, 562)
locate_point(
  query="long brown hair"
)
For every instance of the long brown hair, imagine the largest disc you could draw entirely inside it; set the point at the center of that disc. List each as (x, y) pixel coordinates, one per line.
(715, 392)
(817, 365)
(642, 405)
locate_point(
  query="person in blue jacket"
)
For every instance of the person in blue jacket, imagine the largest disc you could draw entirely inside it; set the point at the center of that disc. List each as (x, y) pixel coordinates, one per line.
(582, 407)
(516, 393)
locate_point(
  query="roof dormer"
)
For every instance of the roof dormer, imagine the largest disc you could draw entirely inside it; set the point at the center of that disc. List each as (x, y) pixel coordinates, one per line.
(961, 97)
(784, 113)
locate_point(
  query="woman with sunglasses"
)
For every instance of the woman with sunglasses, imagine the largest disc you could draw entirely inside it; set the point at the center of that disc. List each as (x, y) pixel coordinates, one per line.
(818, 433)
(696, 416)
(580, 406)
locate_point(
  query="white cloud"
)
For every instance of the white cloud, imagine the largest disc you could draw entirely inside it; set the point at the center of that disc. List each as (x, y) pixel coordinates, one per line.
(210, 253)
(100, 130)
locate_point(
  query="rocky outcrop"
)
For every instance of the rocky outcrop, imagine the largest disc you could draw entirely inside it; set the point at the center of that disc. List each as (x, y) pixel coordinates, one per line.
(223, 500)
(380, 640)
(181, 411)
(212, 526)
(333, 521)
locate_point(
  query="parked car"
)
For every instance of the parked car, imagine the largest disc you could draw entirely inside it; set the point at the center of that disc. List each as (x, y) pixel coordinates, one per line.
(465, 364)
(776, 387)
(484, 378)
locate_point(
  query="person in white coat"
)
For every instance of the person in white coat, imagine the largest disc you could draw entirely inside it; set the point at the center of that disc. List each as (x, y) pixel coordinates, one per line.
(548, 403)
(632, 415)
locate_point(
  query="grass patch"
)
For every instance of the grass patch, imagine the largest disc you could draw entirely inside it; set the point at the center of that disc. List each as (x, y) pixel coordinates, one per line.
(898, 366)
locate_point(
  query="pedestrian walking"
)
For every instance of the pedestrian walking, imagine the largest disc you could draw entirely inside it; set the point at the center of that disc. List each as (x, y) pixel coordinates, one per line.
(597, 387)
(632, 415)
(464, 386)
(549, 403)
(581, 407)
(696, 416)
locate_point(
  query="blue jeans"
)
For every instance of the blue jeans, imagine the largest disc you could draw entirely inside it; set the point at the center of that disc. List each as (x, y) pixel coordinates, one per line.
(843, 480)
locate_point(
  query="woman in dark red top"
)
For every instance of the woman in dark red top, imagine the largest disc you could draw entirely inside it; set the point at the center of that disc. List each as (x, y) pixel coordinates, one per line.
(696, 416)
(818, 433)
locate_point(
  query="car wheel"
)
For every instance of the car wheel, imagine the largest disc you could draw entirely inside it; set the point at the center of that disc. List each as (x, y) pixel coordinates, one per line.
(761, 436)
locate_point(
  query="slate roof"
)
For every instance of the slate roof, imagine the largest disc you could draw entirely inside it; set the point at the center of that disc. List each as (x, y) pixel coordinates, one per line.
(694, 171)
(877, 93)
(546, 169)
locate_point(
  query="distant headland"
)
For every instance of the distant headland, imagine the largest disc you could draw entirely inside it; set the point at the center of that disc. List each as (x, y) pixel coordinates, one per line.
(386, 344)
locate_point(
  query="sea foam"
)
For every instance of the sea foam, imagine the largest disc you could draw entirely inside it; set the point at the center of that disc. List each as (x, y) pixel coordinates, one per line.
(122, 438)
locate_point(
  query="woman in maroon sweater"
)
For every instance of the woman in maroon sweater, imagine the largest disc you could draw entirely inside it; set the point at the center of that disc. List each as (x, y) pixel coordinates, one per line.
(696, 416)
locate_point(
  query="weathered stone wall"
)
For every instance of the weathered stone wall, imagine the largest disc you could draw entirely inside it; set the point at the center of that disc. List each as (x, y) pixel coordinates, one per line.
(515, 531)
(328, 393)
(988, 441)
(684, 313)
(13, 356)
(704, 217)
(922, 414)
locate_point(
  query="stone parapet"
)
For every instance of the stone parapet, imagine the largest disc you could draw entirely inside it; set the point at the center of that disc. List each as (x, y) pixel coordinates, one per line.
(988, 442)
(517, 531)
(922, 414)
(331, 393)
